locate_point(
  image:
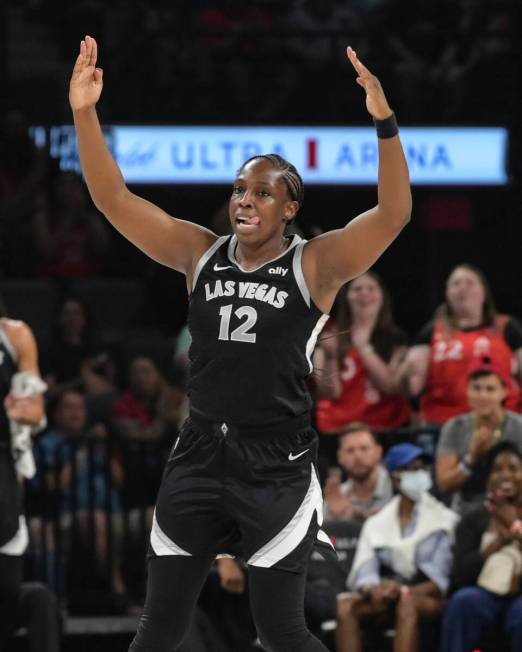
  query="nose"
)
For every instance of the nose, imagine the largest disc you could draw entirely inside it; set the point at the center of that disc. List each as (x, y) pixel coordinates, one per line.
(245, 200)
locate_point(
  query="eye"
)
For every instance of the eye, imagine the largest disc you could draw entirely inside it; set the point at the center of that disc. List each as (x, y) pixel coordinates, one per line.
(237, 190)
(263, 193)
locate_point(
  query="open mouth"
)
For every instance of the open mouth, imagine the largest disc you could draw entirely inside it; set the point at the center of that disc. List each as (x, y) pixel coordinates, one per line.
(247, 224)
(506, 488)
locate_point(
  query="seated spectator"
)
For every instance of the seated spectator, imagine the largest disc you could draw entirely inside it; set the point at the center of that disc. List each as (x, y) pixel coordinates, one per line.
(465, 440)
(71, 344)
(146, 418)
(368, 487)
(465, 326)
(403, 560)
(72, 475)
(72, 240)
(488, 562)
(357, 361)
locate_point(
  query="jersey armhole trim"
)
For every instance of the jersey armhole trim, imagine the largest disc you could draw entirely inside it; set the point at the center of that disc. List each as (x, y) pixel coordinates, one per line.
(8, 345)
(298, 271)
(205, 258)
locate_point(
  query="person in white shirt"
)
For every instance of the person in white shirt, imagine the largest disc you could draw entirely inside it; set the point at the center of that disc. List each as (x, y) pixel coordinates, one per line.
(403, 560)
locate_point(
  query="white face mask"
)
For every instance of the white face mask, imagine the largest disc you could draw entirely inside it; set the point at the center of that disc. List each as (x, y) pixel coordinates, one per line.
(415, 483)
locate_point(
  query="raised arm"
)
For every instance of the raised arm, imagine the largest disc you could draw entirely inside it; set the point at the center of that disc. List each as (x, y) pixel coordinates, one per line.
(172, 242)
(333, 258)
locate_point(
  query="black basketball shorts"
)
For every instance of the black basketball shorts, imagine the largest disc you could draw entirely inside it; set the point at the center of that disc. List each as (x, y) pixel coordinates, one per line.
(247, 492)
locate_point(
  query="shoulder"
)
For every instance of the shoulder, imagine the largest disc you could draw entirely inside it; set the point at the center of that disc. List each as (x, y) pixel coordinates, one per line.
(383, 516)
(384, 484)
(19, 334)
(460, 422)
(514, 420)
(445, 516)
(452, 430)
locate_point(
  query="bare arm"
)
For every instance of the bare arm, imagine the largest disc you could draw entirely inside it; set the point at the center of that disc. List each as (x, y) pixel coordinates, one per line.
(384, 375)
(327, 375)
(172, 242)
(29, 411)
(450, 476)
(327, 372)
(332, 259)
(413, 372)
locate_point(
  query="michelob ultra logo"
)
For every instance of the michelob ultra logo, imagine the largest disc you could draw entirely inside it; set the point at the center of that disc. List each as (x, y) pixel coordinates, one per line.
(323, 155)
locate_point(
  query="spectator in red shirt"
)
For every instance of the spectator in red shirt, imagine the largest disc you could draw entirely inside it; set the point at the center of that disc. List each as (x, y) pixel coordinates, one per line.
(71, 239)
(465, 326)
(357, 361)
(145, 417)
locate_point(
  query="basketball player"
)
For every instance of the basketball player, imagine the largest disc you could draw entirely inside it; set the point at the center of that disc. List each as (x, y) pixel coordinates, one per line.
(29, 604)
(240, 479)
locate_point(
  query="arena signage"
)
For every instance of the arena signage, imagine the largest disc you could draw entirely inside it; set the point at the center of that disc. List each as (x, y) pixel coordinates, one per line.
(324, 155)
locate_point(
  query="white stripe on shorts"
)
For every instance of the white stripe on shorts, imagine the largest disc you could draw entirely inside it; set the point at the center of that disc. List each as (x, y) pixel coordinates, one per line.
(161, 544)
(18, 544)
(295, 531)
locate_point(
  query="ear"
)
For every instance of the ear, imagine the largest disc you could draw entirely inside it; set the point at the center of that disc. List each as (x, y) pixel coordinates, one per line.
(291, 209)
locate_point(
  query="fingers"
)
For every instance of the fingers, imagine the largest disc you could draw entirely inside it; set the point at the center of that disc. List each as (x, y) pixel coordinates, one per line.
(361, 70)
(91, 51)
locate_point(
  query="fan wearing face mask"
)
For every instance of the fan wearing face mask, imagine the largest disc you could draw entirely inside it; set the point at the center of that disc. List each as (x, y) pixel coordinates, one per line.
(403, 560)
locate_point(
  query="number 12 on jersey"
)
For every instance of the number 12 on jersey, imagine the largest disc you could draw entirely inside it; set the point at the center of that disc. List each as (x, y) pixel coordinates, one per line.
(241, 333)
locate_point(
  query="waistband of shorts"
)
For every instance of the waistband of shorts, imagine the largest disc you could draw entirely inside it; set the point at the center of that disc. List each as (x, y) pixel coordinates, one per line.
(226, 429)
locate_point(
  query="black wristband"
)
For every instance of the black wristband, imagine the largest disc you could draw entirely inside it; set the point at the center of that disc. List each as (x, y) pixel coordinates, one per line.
(387, 128)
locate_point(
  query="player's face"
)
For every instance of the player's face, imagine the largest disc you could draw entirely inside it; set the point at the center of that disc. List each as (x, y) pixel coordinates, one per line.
(260, 205)
(464, 291)
(486, 394)
(364, 295)
(358, 454)
(505, 478)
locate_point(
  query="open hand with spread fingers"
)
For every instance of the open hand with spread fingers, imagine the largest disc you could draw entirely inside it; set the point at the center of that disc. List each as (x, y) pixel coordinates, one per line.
(376, 101)
(86, 81)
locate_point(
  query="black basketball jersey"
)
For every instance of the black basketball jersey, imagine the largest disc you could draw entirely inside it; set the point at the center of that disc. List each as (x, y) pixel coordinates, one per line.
(8, 367)
(253, 334)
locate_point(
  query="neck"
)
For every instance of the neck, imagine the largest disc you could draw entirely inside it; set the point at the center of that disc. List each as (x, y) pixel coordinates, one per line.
(366, 485)
(469, 319)
(364, 320)
(493, 419)
(252, 256)
(406, 506)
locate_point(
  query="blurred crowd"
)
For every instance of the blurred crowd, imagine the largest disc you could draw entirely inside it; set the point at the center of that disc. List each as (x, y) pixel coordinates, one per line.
(420, 458)
(420, 433)
(276, 60)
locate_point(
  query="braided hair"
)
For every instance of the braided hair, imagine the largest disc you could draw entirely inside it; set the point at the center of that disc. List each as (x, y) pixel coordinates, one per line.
(291, 177)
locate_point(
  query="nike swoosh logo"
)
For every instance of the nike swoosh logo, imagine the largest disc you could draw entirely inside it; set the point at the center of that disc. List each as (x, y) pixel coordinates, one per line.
(218, 268)
(293, 457)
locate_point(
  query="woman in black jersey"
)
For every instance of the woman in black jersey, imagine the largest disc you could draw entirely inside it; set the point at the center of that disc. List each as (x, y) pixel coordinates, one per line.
(29, 604)
(240, 479)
